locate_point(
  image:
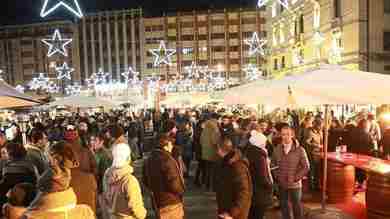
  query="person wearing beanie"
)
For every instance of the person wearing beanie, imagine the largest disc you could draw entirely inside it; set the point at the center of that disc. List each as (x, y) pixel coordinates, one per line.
(56, 199)
(122, 191)
(163, 178)
(260, 171)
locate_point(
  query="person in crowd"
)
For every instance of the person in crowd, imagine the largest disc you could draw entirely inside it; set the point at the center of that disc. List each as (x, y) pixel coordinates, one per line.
(305, 128)
(116, 134)
(234, 185)
(314, 146)
(17, 170)
(385, 142)
(19, 198)
(259, 166)
(122, 192)
(245, 130)
(210, 139)
(292, 165)
(336, 135)
(36, 149)
(197, 147)
(374, 128)
(163, 178)
(133, 137)
(103, 157)
(56, 199)
(84, 177)
(184, 141)
(83, 133)
(3, 139)
(227, 128)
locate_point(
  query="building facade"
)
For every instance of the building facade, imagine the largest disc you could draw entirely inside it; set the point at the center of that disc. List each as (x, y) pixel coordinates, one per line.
(353, 33)
(23, 55)
(116, 40)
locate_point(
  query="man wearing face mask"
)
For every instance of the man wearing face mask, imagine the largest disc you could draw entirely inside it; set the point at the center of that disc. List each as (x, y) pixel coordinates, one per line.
(163, 177)
(36, 149)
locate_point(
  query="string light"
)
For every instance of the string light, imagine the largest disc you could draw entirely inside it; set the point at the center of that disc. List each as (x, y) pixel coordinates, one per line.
(74, 89)
(256, 46)
(57, 44)
(64, 72)
(40, 82)
(162, 55)
(100, 77)
(76, 10)
(1, 75)
(252, 73)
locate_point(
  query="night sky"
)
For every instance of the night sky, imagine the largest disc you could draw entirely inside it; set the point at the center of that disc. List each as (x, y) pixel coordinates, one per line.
(27, 11)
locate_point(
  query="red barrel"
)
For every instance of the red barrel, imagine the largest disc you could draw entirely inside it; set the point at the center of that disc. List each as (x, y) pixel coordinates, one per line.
(341, 182)
(378, 197)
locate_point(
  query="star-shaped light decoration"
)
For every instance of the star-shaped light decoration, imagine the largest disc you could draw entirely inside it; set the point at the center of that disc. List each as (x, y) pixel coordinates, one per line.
(218, 82)
(20, 88)
(162, 55)
(193, 71)
(252, 73)
(57, 44)
(262, 3)
(40, 82)
(53, 88)
(71, 5)
(74, 89)
(130, 75)
(100, 77)
(64, 71)
(256, 46)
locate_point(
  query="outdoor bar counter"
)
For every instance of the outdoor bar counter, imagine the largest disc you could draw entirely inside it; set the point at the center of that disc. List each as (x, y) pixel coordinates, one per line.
(341, 182)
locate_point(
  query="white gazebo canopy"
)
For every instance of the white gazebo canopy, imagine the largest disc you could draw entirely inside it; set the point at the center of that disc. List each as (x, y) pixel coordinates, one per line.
(83, 102)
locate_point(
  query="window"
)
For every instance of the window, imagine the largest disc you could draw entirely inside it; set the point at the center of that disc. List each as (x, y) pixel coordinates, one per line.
(386, 41)
(275, 64)
(301, 24)
(386, 6)
(283, 62)
(337, 8)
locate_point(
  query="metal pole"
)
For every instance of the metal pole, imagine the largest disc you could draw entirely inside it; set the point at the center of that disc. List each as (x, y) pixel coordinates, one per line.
(325, 171)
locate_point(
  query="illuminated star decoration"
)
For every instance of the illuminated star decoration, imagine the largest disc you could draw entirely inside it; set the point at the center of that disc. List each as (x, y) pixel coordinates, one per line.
(74, 89)
(20, 88)
(1, 75)
(256, 46)
(57, 44)
(252, 73)
(76, 10)
(262, 3)
(40, 82)
(130, 72)
(64, 72)
(100, 77)
(53, 88)
(193, 71)
(162, 55)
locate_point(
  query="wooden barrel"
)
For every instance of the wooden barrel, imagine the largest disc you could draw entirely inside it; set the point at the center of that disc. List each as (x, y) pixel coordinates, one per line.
(341, 182)
(378, 197)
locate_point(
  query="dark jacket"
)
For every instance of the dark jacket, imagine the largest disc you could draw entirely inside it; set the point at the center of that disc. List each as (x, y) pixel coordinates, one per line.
(261, 177)
(184, 141)
(36, 155)
(15, 172)
(234, 186)
(361, 142)
(162, 176)
(335, 137)
(385, 142)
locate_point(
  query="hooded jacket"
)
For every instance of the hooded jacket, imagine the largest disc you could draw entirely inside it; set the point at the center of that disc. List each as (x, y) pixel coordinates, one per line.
(57, 205)
(234, 186)
(209, 140)
(122, 194)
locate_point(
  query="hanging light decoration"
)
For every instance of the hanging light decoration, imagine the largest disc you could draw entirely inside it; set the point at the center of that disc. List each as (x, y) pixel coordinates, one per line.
(252, 72)
(40, 82)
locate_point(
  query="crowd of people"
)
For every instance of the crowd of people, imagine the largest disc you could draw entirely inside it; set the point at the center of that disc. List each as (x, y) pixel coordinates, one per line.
(81, 166)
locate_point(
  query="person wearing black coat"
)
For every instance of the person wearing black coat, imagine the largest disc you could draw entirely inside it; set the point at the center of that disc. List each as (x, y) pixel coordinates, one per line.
(262, 181)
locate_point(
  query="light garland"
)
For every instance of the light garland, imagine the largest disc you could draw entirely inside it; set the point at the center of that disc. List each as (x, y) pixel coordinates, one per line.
(193, 71)
(74, 89)
(57, 44)
(76, 10)
(53, 88)
(64, 72)
(100, 77)
(256, 46)
(162, 55)
(1, 75)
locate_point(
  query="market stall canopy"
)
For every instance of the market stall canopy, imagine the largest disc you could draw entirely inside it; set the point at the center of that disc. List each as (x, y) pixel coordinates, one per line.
(11, 98)
(326, 84)
(187, 99)
(83, 102)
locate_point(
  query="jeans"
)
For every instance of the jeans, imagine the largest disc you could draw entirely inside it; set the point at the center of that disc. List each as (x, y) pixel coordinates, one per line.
(210, 175)
(295, 196)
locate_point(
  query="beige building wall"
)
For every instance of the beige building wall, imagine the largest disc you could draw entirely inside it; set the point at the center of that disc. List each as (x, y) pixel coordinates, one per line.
(360, 25)
(23, 55)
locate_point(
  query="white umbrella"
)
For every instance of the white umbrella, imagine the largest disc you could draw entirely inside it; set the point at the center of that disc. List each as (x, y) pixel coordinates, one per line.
(10, 97)
(83, 102)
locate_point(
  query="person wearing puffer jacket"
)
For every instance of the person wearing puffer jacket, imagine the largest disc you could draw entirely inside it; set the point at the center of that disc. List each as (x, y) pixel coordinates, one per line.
(259, 166)
(56, 199)
(122, 192)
